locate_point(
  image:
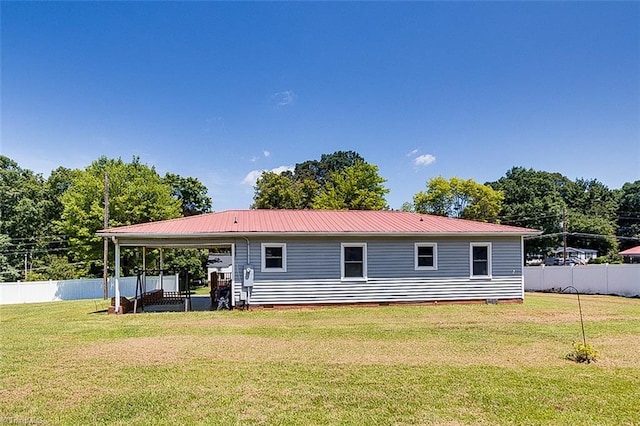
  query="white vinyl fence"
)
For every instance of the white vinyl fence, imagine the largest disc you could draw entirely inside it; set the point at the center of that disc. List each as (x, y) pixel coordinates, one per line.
(50, 291)
(622, 280)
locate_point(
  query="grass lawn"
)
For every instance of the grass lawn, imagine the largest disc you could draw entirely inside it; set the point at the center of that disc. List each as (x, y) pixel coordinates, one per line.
(62, 363)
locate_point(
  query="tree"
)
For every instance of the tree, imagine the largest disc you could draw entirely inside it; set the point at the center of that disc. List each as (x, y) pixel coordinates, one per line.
(54, 267)
(533, 199)
(628, 213)
(8, 272)
(301, 188)
(319, 171)
(543, 200)
(339, 160)
(592, 210)
(25, 216)
(191, 193)
(193, 260)
(358, 187)
(137, 194)
(275, 191)
(459, 198)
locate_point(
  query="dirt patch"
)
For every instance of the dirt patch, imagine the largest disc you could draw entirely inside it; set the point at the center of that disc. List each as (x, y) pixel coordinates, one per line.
(248, 349)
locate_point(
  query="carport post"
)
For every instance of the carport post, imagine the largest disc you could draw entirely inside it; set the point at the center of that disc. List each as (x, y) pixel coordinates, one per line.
(117, 275)
(161, 269)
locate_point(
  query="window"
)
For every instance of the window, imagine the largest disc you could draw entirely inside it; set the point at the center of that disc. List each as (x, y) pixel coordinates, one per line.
(354, 261)
(426, 256)
(480, 259)
(274, 257)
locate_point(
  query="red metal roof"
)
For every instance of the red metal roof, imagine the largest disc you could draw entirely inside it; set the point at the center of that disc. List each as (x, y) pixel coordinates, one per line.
(313, 221)
(633, 251)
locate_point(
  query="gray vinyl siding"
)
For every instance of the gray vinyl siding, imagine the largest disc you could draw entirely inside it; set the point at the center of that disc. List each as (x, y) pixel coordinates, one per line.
(384, 290)
(313, 272)
(386, 257)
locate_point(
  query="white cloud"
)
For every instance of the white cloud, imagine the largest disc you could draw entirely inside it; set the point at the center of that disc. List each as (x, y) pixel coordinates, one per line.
(412, 153)
(266, 153)
(424, 160)
(252, 177)
(282, 169)
(285, 98)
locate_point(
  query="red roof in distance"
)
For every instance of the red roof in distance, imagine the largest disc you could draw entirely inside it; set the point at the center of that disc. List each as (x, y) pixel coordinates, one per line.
(315, 222)
(633, 251)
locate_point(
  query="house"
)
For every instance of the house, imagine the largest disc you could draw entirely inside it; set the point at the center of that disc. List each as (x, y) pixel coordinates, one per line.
(631, 255)
(221, 264)
(582, 255)
(299, 257)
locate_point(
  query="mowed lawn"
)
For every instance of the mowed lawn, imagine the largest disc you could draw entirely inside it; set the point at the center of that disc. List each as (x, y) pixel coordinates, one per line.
(63, 363)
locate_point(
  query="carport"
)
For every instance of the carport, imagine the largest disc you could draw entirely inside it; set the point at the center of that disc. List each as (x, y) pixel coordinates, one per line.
(134, 237)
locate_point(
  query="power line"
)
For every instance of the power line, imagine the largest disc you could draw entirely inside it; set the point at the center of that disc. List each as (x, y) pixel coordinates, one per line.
(52, 237)
(581, 234)
(39, 268)
(45, 250)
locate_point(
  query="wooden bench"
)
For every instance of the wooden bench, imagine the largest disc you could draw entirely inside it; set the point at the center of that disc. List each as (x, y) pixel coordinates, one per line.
(153, 297)
(170, 298)
(126, 306)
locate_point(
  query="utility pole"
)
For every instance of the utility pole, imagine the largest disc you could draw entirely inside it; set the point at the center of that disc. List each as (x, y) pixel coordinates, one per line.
(105, 259)
(564, 235)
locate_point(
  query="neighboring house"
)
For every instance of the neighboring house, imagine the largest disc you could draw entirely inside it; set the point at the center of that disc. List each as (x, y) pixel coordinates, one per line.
(581, 254)
(631, 255)
(222, 264)
(297, 257)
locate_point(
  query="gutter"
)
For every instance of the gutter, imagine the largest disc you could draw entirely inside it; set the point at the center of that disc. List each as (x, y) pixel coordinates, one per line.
(232, 234)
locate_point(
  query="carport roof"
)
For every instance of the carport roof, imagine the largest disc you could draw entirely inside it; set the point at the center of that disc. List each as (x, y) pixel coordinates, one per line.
(324, 222)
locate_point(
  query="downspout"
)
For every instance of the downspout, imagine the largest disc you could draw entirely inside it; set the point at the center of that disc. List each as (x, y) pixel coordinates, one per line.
(233, 273)
(248, 250)
(522, 265)
(161, 264)
(248, 263)
(117, 274)
(144, 268)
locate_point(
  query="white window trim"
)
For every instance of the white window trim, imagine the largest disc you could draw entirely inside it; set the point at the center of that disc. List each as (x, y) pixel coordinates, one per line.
(489, 257)
(264, 257)
(435, 257)
(364, 261)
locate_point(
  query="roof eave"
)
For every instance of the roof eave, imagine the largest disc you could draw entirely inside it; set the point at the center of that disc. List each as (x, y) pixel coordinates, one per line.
(154, 236)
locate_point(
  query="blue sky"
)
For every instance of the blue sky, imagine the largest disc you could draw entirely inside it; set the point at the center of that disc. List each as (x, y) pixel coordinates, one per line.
(221, 91)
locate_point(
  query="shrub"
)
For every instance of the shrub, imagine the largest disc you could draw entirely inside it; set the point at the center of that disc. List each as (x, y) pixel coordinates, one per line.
(583, 353)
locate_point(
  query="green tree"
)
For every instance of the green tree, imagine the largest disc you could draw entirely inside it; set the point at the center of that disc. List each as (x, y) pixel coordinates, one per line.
(319, 171)
(628, 214)
(8, 272)
(54, 267)
(534, 199)
(57, 184)
(275, 191)
(25, 217)
(358, 187)
(543, 200)
(592, 209)
(301, 188)
(455, 197)
(137, 194)
(191, 193)
(193, 260)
